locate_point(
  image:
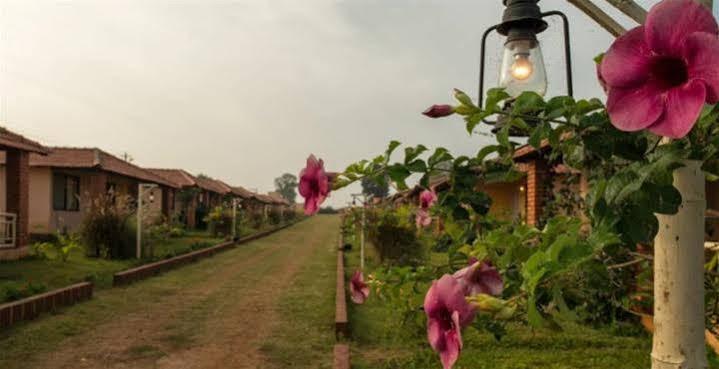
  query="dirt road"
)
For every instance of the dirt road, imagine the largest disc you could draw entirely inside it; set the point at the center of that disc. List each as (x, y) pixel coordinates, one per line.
(219, 313)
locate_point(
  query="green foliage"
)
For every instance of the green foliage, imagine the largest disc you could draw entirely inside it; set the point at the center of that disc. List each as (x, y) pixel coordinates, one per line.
(107, 230)
(286, 185)
(394, 236)
(378, 187)
(13, 293)
(219, 221)
(61, 247)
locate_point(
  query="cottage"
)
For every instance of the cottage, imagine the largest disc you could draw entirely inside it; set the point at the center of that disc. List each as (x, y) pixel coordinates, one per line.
(15, 184)
(65, 182)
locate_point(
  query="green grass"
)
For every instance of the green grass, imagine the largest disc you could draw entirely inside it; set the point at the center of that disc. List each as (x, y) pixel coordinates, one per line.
(192, 240)
(304, 336)
(54, 273)
(380, 341)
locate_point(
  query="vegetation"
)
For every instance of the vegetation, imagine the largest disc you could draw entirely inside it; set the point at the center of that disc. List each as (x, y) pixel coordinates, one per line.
(378, 188)
(389, 330)
(107, 229)
(286, 185)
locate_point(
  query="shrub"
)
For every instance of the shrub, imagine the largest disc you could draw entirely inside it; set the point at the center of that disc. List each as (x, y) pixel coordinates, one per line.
(61, 247)
(13, 293)
(107, 230)
(394, 236)
(219, 221)
(274, 216)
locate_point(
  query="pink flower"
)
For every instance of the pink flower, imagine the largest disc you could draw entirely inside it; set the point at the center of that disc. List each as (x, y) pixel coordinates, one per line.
(439, 111)
(480, 277)
(447, 313)
(659, 75)
(358, 289)
(426, 200)
(314, 185)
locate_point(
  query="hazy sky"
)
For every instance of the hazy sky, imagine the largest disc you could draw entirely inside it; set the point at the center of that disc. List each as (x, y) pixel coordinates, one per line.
(245, 90)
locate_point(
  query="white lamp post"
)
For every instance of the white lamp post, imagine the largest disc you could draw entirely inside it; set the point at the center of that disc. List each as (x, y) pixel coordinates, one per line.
(140, 192)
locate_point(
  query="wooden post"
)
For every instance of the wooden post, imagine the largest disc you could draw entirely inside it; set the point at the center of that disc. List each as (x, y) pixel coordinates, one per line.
(679, 277)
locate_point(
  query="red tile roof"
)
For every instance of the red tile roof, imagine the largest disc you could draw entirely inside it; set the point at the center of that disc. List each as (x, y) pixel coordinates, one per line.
(66, 157)
(178, 176)
(11, 140)
(242, 192)
(212, 185)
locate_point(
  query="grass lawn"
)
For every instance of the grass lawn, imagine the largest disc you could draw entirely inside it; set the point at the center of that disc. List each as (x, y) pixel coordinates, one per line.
(379, 341)
(52, 274)
(304, 335)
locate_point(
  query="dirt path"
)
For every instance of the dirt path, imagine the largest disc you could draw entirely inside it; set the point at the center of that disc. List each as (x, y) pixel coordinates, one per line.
(214, 314)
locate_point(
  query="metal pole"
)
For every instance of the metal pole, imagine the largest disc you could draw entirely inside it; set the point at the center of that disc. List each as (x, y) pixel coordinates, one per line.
(362, 237)
(234, 219)
(138, 246)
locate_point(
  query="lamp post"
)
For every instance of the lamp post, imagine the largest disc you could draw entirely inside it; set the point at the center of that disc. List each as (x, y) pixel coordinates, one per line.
(235, 205)
(364, 206)
(140, 193)
(522, 67)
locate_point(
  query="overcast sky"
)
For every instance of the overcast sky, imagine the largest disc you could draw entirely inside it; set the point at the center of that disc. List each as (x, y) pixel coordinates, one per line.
(245, 90)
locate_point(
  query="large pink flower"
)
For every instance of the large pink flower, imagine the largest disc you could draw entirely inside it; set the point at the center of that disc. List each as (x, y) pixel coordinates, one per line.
(426, 199)
(659, 75)
(447, 313)
(359, 291)
(480, 277)
(314, 184)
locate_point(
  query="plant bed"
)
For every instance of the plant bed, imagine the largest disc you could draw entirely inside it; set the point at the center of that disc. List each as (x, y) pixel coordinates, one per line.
(130, 276)
(31, 307)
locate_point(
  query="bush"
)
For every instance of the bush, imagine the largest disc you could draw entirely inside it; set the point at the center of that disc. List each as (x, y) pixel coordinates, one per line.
(61, 247)
(219, 222)
(107, 230)
(13, 293)
(394, 236)
(290, 215)
(274, 216)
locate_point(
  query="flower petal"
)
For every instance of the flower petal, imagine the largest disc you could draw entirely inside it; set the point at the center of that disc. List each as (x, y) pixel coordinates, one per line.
(670, 22)
(435, 336)
(633, 109)
(311, 206)
(683, 106)
(431, 300)
(452, 344)
(627, 62)
(701, 51)
(491, 279)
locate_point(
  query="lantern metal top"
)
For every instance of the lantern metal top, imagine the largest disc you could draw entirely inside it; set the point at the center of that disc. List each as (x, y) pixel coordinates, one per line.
(521, 15)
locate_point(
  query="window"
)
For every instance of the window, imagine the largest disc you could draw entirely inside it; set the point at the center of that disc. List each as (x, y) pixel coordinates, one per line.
(65, 192)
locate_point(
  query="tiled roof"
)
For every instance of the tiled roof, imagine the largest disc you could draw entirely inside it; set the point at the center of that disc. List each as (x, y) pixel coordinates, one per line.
(178, 176)
(11, 140)
(65, 157)
(278, 198)
(212, 185)
(242, 192)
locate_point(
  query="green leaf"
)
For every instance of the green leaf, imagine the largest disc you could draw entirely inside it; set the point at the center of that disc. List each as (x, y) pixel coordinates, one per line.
(411, 153)
(463, 98)
(390, 149)
(485, 151)
(528, 103)
(417, 166)
(398, 174)
(440, 155)
(494, 97)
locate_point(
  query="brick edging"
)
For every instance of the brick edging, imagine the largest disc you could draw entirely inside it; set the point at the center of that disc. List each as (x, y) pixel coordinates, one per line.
(31, 307)
(341, 322)
(341, 356)
(130, 276)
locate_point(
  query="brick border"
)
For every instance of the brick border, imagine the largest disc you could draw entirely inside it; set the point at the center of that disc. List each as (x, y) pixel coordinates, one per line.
(129, 276)
(341, 321)
(341, 356)
(31, 307)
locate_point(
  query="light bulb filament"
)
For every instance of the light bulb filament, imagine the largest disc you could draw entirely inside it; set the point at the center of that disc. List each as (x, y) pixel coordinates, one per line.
(522, 68)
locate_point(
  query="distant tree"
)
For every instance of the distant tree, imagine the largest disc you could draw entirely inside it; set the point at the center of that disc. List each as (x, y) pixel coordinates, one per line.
(286, 185)
(371, 187)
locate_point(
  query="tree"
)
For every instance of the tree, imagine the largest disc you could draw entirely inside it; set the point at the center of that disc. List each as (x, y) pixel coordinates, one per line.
(286, 185)
(371, 187)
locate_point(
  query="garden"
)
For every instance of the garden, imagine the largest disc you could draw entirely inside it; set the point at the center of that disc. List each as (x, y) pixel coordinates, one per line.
(617, 277)
(106, 244)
